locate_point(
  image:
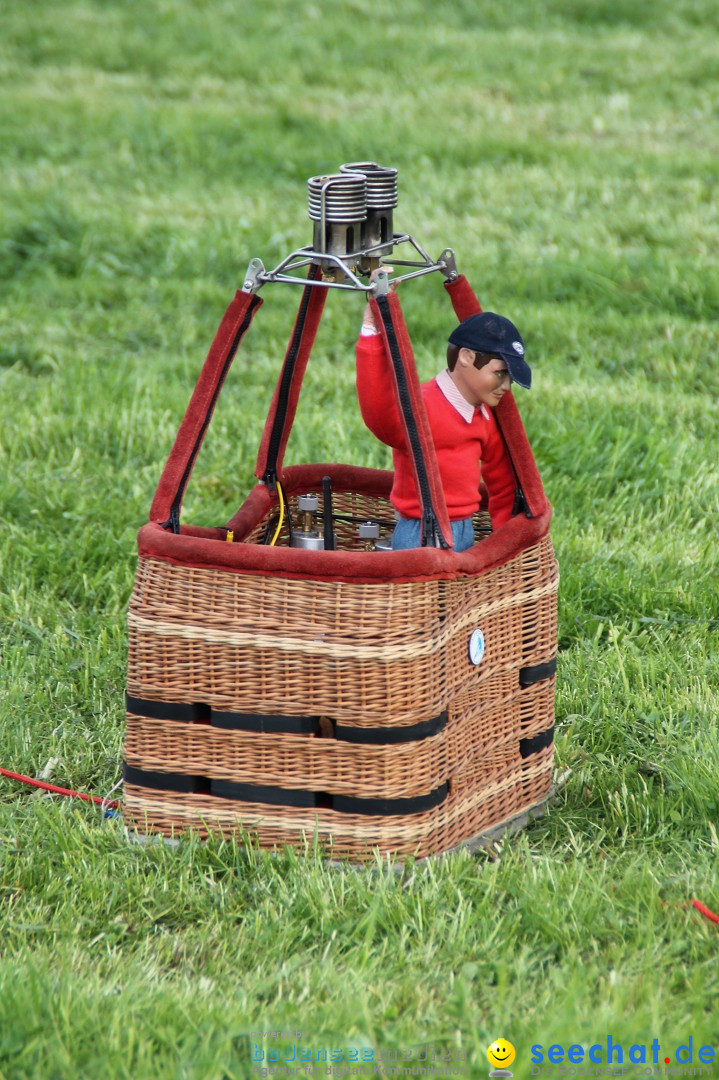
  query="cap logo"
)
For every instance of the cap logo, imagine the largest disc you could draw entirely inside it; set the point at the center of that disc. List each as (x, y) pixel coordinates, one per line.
(518, 347)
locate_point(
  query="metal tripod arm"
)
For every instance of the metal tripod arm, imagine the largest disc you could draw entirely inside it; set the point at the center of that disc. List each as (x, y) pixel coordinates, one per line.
(257, 276)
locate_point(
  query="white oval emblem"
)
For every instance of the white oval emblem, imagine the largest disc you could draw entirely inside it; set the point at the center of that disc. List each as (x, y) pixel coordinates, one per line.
(476, 647)
(518, 347)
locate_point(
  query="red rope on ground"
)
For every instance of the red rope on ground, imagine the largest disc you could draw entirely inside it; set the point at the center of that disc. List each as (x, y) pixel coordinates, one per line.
(58, 790)
(705, 911)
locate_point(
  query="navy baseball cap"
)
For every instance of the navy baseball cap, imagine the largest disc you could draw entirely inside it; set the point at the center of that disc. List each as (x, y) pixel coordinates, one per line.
(492, 333)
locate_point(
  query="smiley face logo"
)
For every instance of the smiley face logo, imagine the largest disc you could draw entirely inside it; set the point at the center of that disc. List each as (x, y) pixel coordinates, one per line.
(500, 1054)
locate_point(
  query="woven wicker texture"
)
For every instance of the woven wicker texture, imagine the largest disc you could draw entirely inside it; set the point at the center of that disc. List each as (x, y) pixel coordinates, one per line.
(379, 659)
(467, 812)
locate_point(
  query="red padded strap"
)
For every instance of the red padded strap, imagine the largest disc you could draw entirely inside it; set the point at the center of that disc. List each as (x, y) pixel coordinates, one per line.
(168, 497)
(287, 391)
(417, 433)
(464, 301)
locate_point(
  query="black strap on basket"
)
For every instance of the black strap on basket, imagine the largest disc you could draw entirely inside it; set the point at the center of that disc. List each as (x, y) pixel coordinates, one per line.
(537, 672)
(535, 743)
(277, 796)
(167, 502)
(203, 713)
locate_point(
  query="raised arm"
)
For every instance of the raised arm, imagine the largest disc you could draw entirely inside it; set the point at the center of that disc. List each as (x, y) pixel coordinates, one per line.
(375, 390)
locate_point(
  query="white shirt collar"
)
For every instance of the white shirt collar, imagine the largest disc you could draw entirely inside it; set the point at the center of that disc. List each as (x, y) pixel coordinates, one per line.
(446, 384)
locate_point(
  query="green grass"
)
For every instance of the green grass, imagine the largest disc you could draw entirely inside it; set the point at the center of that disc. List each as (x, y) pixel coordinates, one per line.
(567, 151)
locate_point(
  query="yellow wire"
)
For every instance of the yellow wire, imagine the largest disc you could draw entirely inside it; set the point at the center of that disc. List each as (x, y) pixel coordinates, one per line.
(280, 523)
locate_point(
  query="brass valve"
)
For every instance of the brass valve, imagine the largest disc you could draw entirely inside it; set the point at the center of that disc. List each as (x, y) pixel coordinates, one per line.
(369, 533)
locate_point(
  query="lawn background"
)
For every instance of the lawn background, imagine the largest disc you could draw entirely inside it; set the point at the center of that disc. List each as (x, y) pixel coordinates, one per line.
(568, 152)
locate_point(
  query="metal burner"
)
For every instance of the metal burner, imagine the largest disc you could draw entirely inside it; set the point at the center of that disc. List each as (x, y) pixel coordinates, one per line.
(378, 228)
(337, 204)
(352, 215)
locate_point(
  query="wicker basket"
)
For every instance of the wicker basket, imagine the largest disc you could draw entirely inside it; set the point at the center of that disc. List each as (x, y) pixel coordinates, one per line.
(400, 701)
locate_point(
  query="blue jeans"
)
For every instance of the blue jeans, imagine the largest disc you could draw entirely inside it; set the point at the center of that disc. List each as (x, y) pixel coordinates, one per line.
(407, 534)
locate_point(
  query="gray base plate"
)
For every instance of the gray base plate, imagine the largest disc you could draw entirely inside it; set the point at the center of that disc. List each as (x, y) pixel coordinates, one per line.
(505, 828)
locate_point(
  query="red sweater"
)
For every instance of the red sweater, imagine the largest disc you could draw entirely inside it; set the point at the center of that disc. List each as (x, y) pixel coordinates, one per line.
(460, 446)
